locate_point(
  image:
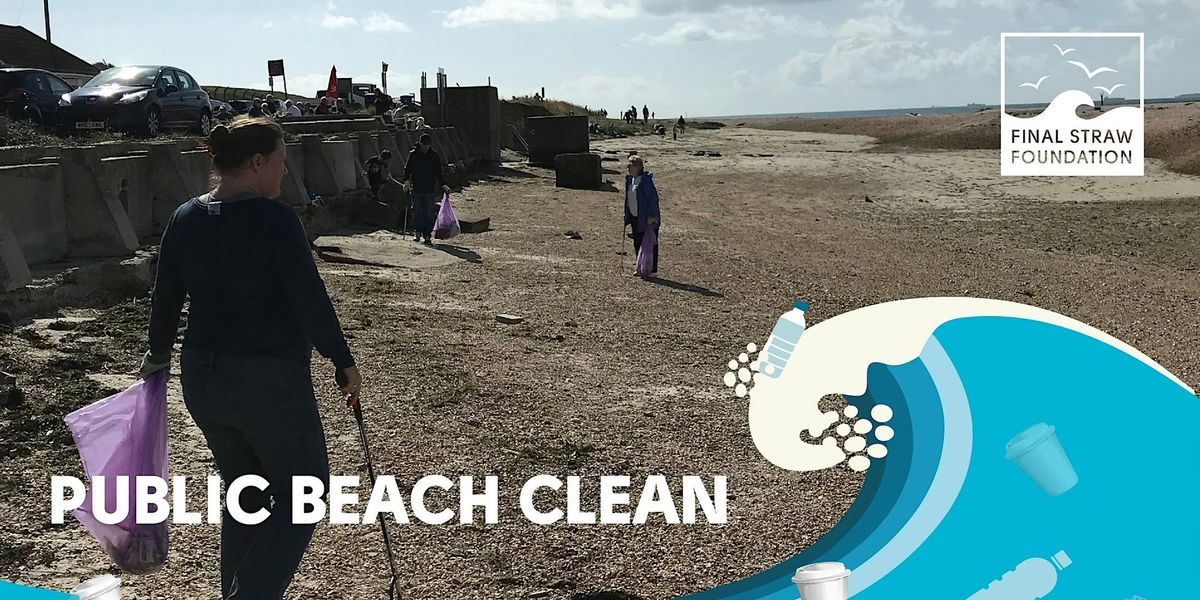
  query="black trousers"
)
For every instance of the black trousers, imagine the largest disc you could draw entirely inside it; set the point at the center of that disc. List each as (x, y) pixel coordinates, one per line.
(637, 244)
(259, 417)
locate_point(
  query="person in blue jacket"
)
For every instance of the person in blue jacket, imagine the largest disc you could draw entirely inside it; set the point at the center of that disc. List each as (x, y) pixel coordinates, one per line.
(258, 308)
(641, 205)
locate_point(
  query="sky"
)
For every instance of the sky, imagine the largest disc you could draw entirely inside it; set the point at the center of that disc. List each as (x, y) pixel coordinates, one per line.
(690, 57)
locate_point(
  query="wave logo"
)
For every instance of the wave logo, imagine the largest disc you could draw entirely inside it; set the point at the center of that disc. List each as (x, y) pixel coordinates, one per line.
(1088, 125)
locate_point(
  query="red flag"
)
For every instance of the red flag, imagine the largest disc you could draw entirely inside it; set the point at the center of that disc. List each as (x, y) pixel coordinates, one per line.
(332, 91)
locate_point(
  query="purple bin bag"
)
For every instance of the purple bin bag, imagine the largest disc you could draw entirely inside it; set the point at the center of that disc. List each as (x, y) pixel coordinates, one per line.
(645, 257)
(125, 434)
(446, 225)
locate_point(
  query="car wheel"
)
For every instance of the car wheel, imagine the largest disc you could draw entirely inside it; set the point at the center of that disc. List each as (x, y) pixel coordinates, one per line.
(204, 127)
(153, 124)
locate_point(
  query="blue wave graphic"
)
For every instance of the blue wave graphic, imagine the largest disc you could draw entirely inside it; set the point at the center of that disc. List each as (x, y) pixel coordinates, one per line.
(945, 507)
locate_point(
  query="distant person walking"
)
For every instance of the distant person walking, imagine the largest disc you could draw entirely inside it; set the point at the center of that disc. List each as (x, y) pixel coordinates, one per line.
(641, 204)
(645, 114)
(424, 179)
(681, 124)
(258, 307)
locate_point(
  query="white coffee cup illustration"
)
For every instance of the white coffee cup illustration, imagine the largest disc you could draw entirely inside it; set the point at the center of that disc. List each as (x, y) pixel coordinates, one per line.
(823, 581)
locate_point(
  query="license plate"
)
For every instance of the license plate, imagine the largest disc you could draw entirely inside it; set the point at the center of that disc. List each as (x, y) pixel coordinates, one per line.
(91, 125)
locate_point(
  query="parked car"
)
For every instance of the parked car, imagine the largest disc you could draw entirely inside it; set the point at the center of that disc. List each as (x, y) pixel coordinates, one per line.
(142, 99)
(31, 94)
(241, 107)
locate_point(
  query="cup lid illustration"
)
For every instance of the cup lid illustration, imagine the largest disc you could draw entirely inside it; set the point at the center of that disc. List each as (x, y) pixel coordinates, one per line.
(821, 572)
(1027, 440)
(800, 304)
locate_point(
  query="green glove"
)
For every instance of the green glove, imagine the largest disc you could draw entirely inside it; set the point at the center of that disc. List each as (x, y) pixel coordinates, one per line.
(152, 363)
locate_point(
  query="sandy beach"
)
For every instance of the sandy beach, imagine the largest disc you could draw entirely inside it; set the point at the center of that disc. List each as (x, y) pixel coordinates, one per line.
(624, 375)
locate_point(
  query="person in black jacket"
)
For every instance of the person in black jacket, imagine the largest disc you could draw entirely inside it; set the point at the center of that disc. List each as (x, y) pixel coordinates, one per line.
(258, 307)
(423, 178)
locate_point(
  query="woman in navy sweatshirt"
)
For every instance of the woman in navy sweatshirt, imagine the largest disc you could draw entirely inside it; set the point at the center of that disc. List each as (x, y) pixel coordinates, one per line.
(258, 308)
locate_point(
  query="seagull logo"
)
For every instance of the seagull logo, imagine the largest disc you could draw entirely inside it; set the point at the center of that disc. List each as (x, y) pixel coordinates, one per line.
(1109, 91)
(1036, 85)
(1062, 52)
(1090, 74)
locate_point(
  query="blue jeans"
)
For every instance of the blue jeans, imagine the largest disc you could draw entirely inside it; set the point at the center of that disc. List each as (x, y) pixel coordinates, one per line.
(259, 417)
(423, 212)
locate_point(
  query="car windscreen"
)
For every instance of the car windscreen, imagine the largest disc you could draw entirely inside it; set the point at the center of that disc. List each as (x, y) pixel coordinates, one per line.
(133, 76)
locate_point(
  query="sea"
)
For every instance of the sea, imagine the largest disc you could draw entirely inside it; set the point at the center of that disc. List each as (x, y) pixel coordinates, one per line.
(900, 112)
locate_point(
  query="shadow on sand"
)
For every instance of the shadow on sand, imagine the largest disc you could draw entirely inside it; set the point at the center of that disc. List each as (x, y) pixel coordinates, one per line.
(458, 252)
(685, 287)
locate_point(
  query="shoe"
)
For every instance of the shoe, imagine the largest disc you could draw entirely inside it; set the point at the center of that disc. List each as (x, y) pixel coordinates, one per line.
(428, 242)
(416, 238)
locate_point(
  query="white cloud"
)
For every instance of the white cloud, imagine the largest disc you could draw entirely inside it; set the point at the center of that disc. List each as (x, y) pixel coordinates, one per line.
(1024, 7)
(883, 47)
(744, 80)
(732, 25)
(543, 11)
(332, 21)
(797, 68)
(268, 25)
(378, 22)
(1144, 5)
(539, 11)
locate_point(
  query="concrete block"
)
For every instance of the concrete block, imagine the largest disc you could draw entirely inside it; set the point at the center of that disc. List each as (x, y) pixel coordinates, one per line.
(294, 191)
(127, 178)
(405, 142)
(579, 171)
(341, 156)
(387, 141)
(474, 111)
(464, 153)
(31, 197)
(14, 270)
(550, 136)
(24, 155)
(325, 124)
(474, 224)
(97, 224)
(174, 178)
(441, 140)
(319, 175)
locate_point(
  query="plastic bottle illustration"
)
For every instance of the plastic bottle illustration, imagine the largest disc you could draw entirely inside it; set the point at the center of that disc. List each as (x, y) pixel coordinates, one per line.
(774, 357)
(1032, 579)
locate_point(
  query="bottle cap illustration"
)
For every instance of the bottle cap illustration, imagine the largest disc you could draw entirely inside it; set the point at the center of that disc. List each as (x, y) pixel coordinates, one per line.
(802, 305)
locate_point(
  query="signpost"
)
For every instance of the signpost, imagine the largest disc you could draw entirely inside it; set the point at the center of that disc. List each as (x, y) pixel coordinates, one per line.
(383, 78)
(275, 69)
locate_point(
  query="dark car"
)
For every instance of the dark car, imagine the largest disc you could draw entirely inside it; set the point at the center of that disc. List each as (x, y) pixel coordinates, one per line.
(241, 107)
(31, 94)
(140, 99)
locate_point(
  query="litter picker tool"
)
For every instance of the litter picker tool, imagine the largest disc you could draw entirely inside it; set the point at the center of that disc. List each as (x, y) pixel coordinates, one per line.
(393, 585)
